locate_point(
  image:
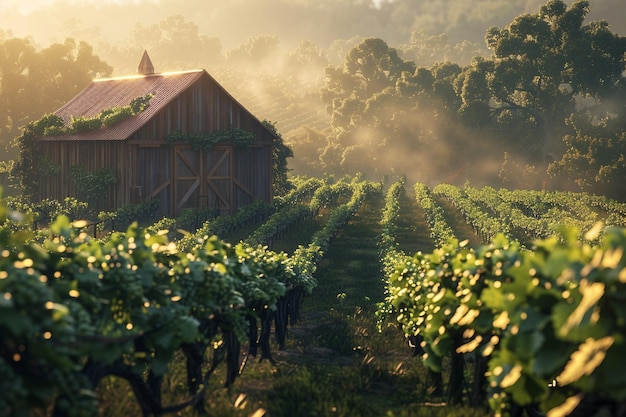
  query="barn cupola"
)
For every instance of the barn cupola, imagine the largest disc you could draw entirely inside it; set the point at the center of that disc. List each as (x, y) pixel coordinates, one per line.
(145, 65)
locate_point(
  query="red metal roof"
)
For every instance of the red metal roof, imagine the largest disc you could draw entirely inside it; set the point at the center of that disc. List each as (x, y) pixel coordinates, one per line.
(118, 92)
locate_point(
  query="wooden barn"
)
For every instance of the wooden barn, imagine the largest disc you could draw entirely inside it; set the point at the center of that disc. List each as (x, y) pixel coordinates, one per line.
(147, 163)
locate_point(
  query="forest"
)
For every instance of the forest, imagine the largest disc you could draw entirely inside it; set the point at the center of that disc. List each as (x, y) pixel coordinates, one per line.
(446, 234)
(539, 103)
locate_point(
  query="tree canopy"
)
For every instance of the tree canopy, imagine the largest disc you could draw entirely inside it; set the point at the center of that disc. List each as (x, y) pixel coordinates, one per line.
(520, 104)
(34, 82)
(541, 62)
(549, 91)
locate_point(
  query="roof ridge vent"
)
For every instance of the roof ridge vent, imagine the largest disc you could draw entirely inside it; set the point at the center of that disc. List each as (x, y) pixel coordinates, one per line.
(145, 65)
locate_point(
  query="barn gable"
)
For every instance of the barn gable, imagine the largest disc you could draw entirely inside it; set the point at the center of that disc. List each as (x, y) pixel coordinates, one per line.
(147, 164)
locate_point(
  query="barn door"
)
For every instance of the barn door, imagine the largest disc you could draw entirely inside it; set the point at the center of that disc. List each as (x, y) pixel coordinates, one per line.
(218, 179)
(152, 177)
(202, 179)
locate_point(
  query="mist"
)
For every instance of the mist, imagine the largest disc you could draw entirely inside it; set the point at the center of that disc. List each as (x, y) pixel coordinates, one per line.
(272, 56)
(322, 21)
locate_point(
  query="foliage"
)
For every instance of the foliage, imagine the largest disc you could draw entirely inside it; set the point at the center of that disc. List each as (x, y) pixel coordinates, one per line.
(5, 174)
(243, 138)
(173, 37)
(280, 153)
(541, 319)
(541, 67)
(77, 309)
(126, 215)
(205, 141)
(389, 253)
(77, 305)
(24, 169)
(125, 305)
(38, 81)
(85, 124)
(219, 226)
(70, 207)
(106, 118)
(254, 51)
(281, 221)
(32, 163)
(440, 231)
(91, 186)
(389, 116)
(594, 159)
(370, 69)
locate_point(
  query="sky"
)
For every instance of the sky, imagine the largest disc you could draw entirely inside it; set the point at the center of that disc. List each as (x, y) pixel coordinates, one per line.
(235, 21)
(27, 7)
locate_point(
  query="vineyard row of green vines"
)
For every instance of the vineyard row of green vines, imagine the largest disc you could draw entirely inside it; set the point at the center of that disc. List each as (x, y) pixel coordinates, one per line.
(543, 328)
(537, 311)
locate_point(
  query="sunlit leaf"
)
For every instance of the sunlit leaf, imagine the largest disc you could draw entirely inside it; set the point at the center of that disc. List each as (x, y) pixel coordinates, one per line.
(502, 320)
(591, 292)
(567, 407)
(585, 360)
(470, 346)
(79, 224)
(258, 413)
(511, 377)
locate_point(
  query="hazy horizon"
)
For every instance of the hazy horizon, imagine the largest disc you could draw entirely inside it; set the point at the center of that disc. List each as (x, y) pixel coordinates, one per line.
(321, 21)
(272, 54)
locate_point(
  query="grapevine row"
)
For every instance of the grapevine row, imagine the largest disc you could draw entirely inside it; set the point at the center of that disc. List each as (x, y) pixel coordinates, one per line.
(78, 309)
(484, 223)
(440, 231)
(544, 328)
(548, 209)
(389, 252)
(281, 221)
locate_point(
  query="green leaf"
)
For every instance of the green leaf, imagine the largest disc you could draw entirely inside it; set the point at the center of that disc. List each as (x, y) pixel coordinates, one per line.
(494, 298)
(187, 329)
(16, 323)
(529, 343)
(551, 357)
(528, 389)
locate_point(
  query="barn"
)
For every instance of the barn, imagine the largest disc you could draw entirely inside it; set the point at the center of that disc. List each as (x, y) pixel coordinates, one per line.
(159, 153)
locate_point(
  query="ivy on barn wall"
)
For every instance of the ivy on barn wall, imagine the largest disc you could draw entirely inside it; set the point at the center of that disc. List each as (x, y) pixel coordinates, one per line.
(206, 141)
(32, 163)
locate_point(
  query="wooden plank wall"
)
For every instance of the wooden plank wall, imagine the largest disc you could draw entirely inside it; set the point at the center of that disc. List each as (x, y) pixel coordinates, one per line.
(93, 156)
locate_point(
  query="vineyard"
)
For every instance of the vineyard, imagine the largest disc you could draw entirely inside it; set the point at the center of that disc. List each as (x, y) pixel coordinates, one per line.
(492, 301)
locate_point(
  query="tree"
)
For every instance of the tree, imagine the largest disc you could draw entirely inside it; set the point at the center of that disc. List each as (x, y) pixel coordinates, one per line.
(16, 56)
(354, 95)
(306, 143)
(544, 68)
(595, 157)
(541, 62)
(175, 42)
(255, 51)
(33, 82)
(306, 60)
(427, 50)
(369, 68)
(473, 88)
(387, 114)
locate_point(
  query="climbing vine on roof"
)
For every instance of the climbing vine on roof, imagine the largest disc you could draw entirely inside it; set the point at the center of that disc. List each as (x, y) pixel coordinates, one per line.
(53, 125)
(31, 163)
